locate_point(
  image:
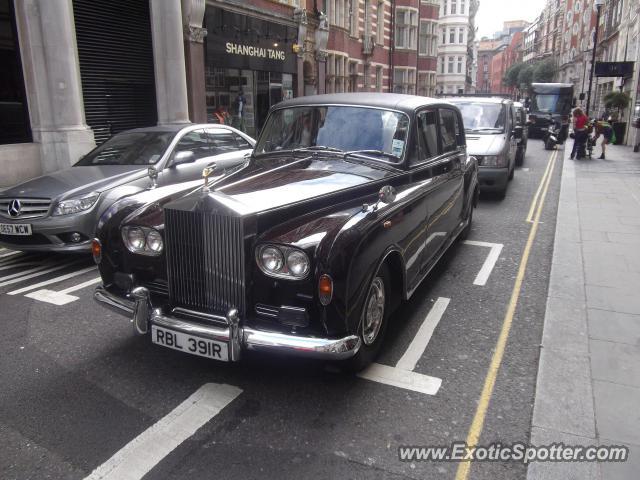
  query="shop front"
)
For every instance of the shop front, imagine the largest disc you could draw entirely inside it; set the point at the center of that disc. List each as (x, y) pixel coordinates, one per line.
(249, 66)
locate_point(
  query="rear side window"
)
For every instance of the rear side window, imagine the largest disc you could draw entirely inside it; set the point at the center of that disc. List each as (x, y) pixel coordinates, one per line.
(450, 132)
(427, 135)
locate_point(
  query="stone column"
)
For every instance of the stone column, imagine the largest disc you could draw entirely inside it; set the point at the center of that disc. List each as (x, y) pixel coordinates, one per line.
(49, 52)
(194, 35)
(169, 61)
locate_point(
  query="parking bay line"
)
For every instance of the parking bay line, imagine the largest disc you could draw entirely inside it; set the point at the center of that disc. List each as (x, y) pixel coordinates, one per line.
(10, 254)
(62, 297)
(145, 451)
(490, 261)
(36, 273)
(402, 375)
(61, 278)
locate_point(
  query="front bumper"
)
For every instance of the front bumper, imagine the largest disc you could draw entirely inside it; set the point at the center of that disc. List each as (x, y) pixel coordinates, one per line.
(493, 178)
(137, 305)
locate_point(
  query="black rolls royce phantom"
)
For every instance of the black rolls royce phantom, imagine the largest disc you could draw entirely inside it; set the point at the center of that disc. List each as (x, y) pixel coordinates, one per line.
(343, 208)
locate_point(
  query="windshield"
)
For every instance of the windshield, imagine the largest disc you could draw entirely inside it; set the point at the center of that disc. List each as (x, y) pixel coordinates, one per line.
(479, 117)
(134, 148)
(342, 128)
(551, 103)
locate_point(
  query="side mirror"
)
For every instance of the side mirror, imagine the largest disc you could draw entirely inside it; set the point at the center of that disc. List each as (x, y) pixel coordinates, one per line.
(183, 156)
(517, 132)
(387, 194)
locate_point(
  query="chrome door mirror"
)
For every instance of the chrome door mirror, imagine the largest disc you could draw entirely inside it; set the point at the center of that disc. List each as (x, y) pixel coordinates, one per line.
(387, 194)
(183, 156)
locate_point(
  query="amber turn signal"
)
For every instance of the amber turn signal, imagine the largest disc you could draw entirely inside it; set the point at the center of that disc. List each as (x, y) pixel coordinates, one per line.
(325, 289)
(96, 250)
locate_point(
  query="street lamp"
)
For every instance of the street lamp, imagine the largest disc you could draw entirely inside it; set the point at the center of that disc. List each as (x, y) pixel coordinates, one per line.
(599, 4)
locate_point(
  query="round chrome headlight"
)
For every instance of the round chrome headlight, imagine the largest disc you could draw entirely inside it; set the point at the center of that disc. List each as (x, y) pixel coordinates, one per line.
(297, 263)
(272, 259)
(154, 241)
(136, 238)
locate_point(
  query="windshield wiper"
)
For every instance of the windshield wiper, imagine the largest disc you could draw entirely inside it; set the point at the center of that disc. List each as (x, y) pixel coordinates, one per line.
(371, 152)
(312, 148)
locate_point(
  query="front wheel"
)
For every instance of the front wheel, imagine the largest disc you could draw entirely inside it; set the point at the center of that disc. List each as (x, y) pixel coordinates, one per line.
(373, 321)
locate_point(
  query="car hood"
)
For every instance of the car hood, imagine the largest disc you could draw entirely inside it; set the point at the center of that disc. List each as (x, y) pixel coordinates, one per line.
(75, 181)
(267, 184)
(485, 144)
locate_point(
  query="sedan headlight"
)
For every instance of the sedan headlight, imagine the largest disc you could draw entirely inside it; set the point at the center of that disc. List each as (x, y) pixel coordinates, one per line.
(494, 161)
(142, 240)
(282, 261)
(76, 205)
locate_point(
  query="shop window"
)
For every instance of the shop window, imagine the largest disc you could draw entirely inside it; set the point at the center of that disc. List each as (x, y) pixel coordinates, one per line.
(14, 114)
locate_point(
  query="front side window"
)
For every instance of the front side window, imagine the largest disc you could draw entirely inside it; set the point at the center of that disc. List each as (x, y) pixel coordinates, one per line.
(482, 117)
(427, 135)
(449, 130)
(342, 128)
(132, 148)
(197, 142)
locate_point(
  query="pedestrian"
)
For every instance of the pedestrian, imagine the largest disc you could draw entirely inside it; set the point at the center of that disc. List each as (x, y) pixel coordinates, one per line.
(221, 115)
(604, 127)
(580, 122)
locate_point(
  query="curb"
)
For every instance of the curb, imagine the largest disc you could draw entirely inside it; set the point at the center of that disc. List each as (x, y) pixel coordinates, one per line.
(563, 406)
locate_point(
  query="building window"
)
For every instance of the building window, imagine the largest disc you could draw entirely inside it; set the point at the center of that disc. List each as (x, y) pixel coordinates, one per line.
(461, 35)
(404, 80)
(462, 7)
(454, 7)
(450, 67)
(380, 23)
(14, 115)
(452, 35)
(444, 8)
(379, 78)
(424, 43)
(337, 80)
(406, 29)
(353, 17)
(444, 36)
(338, 12)
(353, 77)
(459, 64)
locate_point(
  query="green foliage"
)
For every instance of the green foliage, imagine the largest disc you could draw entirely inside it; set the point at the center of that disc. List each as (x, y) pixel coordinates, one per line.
(511, 75)
(525, 76)
(545, 71)
(616, 99)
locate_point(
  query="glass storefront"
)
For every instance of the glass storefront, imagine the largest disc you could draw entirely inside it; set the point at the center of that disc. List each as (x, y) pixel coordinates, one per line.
(14, 115)
(249, 67)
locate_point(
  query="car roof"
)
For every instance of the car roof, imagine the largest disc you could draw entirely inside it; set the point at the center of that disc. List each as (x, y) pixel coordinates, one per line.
(479, 99)
(174, 128)
(392, 101)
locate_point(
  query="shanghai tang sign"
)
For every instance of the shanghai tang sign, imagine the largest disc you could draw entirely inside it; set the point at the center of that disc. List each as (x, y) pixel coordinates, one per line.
(270, 53)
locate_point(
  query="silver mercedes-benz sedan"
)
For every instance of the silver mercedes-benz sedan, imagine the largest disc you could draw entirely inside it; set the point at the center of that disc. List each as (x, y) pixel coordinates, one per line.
(59, 211)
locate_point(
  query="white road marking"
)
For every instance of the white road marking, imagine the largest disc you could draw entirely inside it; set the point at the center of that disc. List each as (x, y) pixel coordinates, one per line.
(18, 262)
(41, 266)
(144, 452)
(62, 297)
(52, 280)
(489, 263)
(402, 375)
(396, 377)
(9, 254)
(36, 274)
(419, 343)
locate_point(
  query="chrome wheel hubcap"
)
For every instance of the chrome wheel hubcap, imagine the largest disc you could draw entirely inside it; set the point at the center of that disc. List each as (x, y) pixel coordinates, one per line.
(373, 311)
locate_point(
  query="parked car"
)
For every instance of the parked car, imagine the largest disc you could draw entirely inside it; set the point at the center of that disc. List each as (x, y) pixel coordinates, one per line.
(521, 121)
(59, 211)
(346, 204)
(492, 137)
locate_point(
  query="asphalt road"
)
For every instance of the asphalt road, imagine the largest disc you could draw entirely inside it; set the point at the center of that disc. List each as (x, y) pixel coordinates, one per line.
(79, 391)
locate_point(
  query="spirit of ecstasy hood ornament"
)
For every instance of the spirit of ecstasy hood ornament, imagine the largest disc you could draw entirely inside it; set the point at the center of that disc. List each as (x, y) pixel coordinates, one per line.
(206, 173)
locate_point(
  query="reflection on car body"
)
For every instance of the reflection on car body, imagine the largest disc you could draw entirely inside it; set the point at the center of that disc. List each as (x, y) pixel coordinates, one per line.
(309, 247)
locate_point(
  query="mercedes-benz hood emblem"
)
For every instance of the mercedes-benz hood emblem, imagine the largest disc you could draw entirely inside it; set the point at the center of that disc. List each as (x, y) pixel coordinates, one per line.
(14, 208)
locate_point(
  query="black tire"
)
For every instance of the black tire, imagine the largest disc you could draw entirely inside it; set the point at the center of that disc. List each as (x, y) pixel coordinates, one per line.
(370, 346)
(520, 156)
(511, 172)
(464, 234)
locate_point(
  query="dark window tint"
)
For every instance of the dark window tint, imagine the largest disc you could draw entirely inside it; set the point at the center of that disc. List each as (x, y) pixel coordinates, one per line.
(14, 116)
(222, 141)
(427, 135)
(449, 130)
(133, 148)
(242, 143)
(197, 142)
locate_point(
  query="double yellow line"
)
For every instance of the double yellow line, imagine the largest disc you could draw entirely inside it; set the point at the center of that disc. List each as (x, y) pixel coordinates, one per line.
(490, 380)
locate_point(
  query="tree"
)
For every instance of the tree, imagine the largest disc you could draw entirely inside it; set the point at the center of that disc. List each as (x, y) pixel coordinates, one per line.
(525, 77)
(618, 100)
(545, 71)
(511, 75)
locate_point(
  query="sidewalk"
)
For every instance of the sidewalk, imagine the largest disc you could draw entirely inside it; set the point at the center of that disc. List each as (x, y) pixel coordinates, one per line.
(588, 386)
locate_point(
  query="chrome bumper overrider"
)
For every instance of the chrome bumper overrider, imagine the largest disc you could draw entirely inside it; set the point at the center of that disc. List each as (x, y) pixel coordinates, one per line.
(138, 305)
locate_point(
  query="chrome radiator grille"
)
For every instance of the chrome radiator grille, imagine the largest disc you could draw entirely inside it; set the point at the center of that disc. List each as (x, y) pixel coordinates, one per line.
(24, 208)
(205, 261)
